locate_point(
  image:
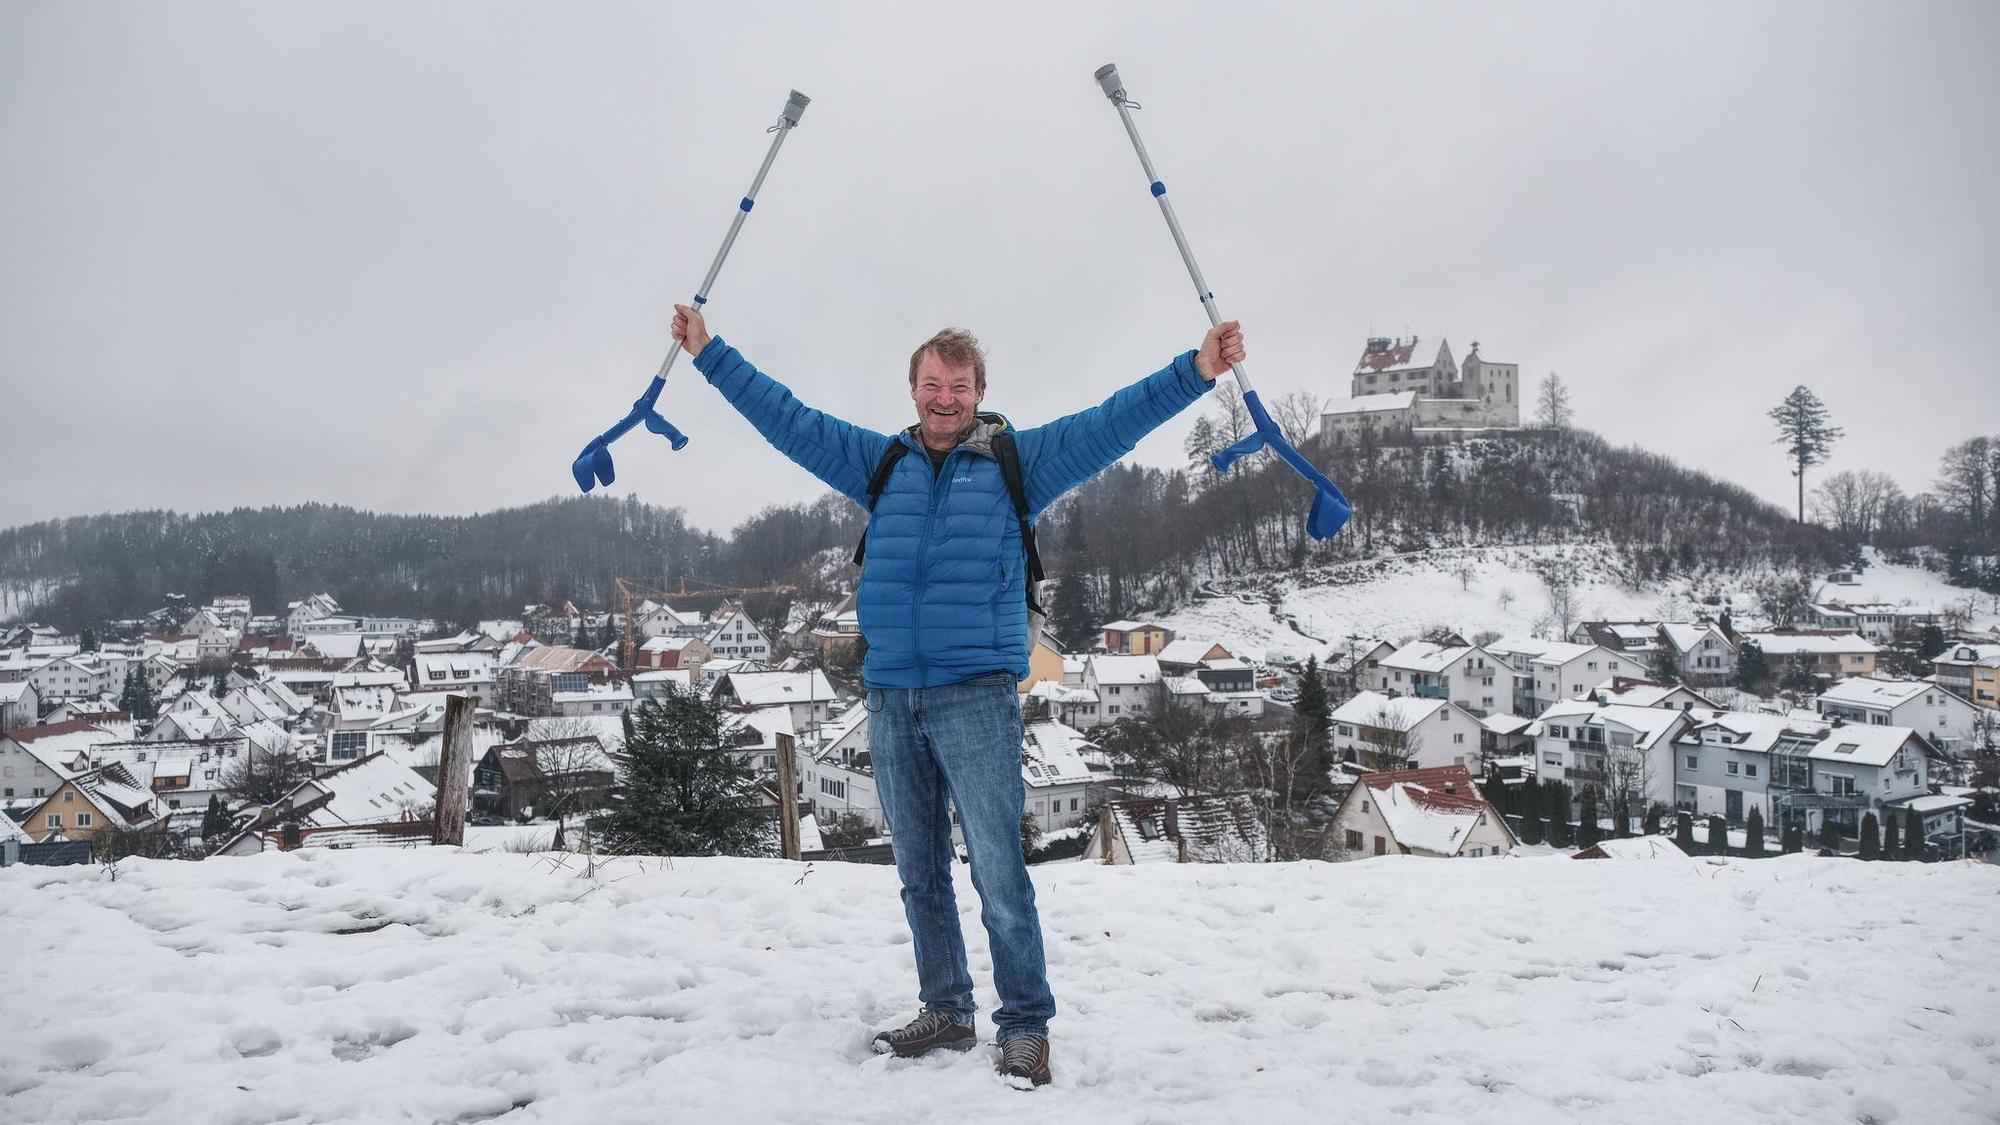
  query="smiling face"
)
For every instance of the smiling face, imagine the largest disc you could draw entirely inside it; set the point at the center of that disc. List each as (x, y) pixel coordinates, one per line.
(947, 397)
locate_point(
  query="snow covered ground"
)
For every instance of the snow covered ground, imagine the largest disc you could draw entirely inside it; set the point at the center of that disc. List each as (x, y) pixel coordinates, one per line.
(440, 985)
(1399, 598)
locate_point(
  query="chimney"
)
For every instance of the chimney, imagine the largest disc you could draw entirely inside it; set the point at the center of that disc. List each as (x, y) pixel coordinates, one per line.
(288, 835)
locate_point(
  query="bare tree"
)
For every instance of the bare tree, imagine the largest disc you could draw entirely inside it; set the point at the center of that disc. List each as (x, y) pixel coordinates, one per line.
(1297, 415)
(261, 778)
(1464, 571)
(1392, 741)
(1560, 576)
(1853, 502)
(1552, 409)
(1783, 598)
(1188, 746)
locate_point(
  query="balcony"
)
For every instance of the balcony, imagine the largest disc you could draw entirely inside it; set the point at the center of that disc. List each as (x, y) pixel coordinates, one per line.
(1429, 691)
(1588, 777)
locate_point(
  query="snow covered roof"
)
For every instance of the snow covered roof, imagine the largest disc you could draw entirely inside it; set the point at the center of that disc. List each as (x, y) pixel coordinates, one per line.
(1633, 847)
(1187, 651)
(1971, 654)
(1423, 656)
(336, 646)
(1812, 644)
(761, 689)
(1507, 724)
(595, 693)
(1369, 404)
(1125, 669)
(1062, 693)
(58, 745)
(1052, 754)
(1863, 691)
(1431, 810)
(1862, 744)
(1518, 646)
(371, 790)
(1217, 829)
(1181, 685)
(1925, 805)
(1685, 636)
(1370, 708)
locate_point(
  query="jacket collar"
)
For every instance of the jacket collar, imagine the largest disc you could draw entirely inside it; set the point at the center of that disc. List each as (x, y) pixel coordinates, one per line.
(979, 441)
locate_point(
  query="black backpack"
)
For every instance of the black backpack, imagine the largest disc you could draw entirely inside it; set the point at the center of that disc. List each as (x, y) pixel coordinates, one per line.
(1009, 457)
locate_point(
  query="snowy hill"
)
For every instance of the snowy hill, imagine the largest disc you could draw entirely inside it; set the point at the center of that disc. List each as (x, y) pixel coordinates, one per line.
(1479, 589)
(439, 985)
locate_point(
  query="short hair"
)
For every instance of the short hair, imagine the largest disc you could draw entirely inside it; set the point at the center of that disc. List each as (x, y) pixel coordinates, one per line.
(957, 348)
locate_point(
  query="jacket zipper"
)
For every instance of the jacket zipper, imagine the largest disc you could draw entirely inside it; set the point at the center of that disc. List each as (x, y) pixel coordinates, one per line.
(940, 482)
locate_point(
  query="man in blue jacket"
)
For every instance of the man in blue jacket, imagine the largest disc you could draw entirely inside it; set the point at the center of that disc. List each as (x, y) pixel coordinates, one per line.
(943, 608)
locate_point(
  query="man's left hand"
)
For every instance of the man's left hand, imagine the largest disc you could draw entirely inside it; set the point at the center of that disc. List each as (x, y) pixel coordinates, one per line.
(1222, 347)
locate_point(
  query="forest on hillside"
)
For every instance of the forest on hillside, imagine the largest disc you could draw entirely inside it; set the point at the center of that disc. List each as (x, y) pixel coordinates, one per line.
(1135, 538)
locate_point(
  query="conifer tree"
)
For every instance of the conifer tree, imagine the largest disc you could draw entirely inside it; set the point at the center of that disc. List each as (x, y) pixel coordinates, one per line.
(1829, 836)
(1718, 836)
(1312, 721)
(215, 819)
(682, 788)
(1805, 432)
(1753, 833)
(1684, 832)
(1892, 842)
(1586, 826)
(1871, 837)
(1913, 834)
(1559, 834)
(1794, 839)
(1531, 825)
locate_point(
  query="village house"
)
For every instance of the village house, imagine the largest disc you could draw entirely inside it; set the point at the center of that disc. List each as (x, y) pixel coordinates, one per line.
(1383, 732)
(808, 695)
(1057, 777)
(370, 802)
(1071, 704)
(20, 704)
(1429, 812)
(1945, 720)
(1210, 829)
(1183, 655)
(1701, 651)
(1127, 687)
(1618, 749)
(462, 673)
(532, 775)
(593, 699)
(1836, 655)
(837, 778)
(1136, 638)
(672, 652)
(1972, 671)
(1548, 671)
(733, 634)
(1467, 675)
(103, 799)
(1650, 693)
(35, 760)
(528, 684)
(1045, 665)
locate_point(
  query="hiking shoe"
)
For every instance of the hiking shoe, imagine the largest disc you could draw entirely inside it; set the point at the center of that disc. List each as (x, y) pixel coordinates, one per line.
(930, 1031)
(1024, 1061)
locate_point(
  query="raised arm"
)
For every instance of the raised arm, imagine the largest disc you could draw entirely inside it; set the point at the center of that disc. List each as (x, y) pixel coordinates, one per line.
(838, 452)
(1070, 450)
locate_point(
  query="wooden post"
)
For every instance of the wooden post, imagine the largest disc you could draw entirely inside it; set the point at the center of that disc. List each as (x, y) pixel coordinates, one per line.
(454, 772)
(788, 799)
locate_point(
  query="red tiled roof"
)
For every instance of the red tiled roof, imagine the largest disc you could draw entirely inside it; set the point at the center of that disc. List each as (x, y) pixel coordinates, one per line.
(1397, 355)
(1427, 787)
(70, 726)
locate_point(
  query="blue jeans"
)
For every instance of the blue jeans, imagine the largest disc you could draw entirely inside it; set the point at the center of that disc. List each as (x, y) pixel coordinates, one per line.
(962, 743)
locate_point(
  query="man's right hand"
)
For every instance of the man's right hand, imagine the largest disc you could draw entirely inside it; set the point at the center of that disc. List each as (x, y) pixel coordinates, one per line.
(689, 329)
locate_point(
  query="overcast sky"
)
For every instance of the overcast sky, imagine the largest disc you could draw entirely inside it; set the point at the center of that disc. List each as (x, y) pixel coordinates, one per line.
(412, 257)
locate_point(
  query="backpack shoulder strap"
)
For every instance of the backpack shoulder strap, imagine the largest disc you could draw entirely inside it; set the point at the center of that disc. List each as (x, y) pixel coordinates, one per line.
(876, 483)
(1009, 456)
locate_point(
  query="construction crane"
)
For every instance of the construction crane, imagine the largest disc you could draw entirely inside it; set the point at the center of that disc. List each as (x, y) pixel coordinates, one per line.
(631, 594)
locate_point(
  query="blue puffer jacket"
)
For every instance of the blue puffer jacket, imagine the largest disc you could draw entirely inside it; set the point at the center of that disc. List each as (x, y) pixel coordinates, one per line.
(942, 595)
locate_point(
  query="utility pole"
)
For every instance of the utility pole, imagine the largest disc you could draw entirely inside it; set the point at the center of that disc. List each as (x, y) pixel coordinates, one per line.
(454, 772)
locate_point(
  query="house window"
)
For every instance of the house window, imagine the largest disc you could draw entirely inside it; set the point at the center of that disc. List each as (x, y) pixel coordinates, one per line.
(1364, 804)
(1749, 770)
(1842, 786)
(1693, 761)
(84, 820)
(1353, 840)
(1346, 731)
(1458, 739)
(1072, 804)
(53, 820)
(1478, 852)
(1552, 759)
(69, 796)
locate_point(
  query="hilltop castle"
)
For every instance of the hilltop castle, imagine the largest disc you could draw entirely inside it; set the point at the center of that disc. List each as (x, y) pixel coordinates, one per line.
(1410, 388)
